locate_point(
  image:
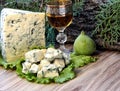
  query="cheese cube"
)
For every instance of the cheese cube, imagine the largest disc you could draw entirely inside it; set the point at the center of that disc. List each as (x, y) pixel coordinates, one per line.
(34, 68)
(20, 31)
(34, 56)
(26, 66)
(59, 63)
(40, 74)
(48, 71)
(51, 71)
(44, 62)
(58, 53)
(44, 51)
(66, 58)
(50, 54)
(51, 74)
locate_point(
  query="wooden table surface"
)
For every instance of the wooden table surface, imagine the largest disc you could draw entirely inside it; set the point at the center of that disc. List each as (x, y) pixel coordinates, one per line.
(103, 75)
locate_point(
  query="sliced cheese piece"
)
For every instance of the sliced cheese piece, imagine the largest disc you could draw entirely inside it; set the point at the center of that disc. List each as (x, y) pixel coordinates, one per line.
(20, 31)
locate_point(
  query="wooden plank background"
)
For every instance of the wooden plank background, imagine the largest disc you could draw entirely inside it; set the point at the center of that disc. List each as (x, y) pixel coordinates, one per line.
(103, 75)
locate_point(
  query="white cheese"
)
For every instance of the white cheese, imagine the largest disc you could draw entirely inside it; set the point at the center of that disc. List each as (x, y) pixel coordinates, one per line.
(50, 71)
(44, 62)
(40, 74)
(34, 56)
(66, 58)
(51, 74)
(21, 30)
(26, 66)
(51, 63)
(59, 63)
(58, 53)
(44, 51)
(34, 68)
(50, 54)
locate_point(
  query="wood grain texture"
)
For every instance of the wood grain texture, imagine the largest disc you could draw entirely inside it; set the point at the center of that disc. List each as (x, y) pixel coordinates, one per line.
(103, 75)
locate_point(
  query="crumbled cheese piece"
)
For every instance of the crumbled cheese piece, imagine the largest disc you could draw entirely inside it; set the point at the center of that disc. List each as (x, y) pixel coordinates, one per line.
(44, 62)
(59, 63)
(44, 51)
(34, 68)
(66, 58)
(52, 63)
(51, 71)
(50, 54)
(58, 53)
(51, 74)
(34, 56)
(40, 74)
(26, 67)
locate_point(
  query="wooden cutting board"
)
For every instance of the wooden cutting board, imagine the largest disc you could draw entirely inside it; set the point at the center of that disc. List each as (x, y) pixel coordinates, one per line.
(103, 75)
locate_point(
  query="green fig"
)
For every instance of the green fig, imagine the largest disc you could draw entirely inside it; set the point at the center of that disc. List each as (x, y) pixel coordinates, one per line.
(84, 45)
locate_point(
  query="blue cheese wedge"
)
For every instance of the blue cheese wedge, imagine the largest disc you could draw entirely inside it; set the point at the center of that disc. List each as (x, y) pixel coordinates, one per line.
(34, 56)
(20, 31)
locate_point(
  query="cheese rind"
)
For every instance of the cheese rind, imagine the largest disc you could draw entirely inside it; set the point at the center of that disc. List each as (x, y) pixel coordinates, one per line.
(20, 31)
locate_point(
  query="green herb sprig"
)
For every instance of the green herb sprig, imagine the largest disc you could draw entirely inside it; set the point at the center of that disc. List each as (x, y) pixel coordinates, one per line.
(108, 23)
(77, 7)
(31, 5)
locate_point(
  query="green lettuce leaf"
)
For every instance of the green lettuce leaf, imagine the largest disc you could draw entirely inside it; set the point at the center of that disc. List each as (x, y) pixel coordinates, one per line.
(66, 75)
(6, 65)
(81, 60)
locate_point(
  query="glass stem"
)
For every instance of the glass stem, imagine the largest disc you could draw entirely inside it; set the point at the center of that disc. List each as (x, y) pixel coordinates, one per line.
(61, 39)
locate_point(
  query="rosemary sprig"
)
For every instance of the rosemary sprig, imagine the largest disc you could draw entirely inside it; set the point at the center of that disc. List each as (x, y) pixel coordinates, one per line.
(108, 23)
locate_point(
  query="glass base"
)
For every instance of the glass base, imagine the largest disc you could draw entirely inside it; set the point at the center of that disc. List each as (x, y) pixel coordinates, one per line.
(64, 49)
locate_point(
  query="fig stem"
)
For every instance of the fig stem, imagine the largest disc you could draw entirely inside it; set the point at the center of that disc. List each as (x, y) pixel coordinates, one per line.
(82, 32)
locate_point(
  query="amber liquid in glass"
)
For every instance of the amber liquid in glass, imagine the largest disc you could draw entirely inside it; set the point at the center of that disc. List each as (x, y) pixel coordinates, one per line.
(59, 21)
